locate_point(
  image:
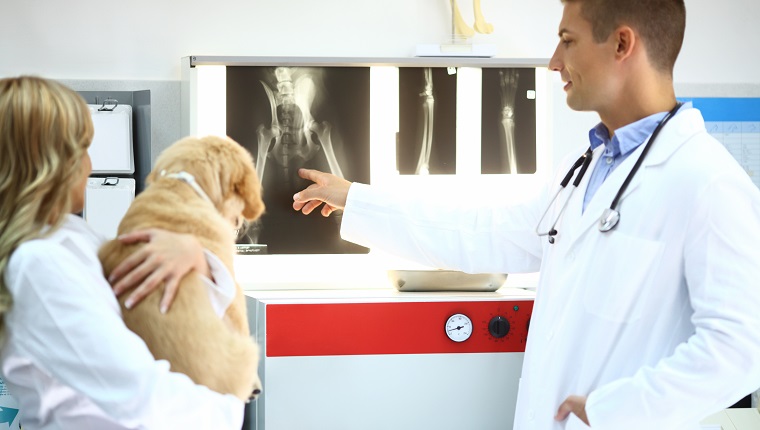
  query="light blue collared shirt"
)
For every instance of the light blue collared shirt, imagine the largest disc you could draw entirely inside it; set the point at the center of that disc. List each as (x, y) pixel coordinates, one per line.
(617, 148)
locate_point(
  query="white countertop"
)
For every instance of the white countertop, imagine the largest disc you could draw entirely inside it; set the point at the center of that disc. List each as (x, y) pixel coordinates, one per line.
(332, 272)
(386, 295)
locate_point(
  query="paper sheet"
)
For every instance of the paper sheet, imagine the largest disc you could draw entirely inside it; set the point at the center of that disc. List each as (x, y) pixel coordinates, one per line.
(111, 149)
(106, 204)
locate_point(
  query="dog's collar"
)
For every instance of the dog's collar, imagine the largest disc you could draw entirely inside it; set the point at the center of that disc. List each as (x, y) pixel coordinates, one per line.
(189, 180)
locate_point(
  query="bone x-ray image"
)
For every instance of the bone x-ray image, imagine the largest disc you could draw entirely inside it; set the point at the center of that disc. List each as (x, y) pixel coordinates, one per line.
(508, 128)
(426, 141)
(293, 117)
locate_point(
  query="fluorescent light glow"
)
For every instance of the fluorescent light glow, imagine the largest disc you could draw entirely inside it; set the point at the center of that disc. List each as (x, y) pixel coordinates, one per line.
(543, 151)
(383, 122)
(211, 101)
(469, 107)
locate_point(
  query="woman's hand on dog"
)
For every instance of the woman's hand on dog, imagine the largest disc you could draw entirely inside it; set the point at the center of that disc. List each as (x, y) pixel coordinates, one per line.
(167, 257)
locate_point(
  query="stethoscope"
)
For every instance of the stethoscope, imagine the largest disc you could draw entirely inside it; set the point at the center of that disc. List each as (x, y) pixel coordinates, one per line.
(611, 215)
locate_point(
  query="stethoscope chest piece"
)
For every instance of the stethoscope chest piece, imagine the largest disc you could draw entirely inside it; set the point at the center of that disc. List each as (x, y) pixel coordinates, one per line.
(609, 220)
(611, 216)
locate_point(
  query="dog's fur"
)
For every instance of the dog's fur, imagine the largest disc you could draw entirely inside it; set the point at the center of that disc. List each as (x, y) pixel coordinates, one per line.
(218, 353)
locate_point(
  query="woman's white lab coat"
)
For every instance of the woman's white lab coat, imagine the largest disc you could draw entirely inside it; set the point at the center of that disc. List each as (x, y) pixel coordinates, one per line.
(70, 361)
(657, 321)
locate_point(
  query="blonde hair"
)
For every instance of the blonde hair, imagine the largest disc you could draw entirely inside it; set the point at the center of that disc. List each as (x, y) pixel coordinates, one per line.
(45, 130)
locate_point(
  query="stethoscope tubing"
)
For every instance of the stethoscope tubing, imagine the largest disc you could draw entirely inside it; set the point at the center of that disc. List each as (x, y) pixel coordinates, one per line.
(611, 215)
(648, 145)
(583, 162)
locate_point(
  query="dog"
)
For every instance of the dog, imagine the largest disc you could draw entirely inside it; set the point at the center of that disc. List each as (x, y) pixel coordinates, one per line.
(206, 187)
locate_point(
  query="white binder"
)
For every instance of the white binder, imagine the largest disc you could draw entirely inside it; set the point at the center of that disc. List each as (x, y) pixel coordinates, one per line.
(106, 202)
(111, 149)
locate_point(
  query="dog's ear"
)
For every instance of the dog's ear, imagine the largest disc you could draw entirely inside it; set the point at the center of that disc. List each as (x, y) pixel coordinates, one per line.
(251, 192)
(249, 188)
(237, 175)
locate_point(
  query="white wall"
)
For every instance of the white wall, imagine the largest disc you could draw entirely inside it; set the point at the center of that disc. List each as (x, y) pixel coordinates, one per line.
(145, 39)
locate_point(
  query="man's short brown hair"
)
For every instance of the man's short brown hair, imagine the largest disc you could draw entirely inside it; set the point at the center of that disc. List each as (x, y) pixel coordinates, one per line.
(660, 23)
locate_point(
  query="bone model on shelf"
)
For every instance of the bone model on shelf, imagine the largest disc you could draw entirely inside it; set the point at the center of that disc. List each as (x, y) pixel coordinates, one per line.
(462, 29)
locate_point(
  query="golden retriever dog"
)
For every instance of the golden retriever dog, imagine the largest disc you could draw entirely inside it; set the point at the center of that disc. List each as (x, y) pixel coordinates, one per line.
(216, 352)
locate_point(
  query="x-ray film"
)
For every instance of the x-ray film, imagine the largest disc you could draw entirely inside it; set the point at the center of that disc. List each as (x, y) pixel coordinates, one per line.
(294, 117)
(427, 121)
(508, 127)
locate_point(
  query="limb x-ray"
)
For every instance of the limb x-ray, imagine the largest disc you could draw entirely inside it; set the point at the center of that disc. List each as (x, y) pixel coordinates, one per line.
(428, 120)
(293, 117)
(508, 127)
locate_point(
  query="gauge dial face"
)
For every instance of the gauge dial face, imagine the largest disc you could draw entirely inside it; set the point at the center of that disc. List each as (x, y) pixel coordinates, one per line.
(458, 327)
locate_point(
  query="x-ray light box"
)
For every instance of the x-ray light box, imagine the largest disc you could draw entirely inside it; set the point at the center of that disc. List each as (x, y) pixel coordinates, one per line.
(427, 123)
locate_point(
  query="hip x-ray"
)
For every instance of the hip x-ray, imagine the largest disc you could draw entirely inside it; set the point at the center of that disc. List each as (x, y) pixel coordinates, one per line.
(294, 117)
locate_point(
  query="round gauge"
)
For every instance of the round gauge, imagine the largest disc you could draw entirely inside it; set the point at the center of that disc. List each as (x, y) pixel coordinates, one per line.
(458, 327)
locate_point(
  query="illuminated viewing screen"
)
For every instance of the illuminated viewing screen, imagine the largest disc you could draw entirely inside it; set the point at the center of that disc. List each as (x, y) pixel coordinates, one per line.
(324, 118)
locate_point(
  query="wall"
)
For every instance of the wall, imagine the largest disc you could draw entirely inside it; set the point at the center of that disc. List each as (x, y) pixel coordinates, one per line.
(125, 43)
(144, 39)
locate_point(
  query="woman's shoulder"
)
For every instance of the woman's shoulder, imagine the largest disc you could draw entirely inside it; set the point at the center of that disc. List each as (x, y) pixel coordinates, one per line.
(32, 259)
(34, 250)
(70, 245)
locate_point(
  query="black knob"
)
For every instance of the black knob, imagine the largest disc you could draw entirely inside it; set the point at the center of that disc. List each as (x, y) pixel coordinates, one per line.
(498, 326)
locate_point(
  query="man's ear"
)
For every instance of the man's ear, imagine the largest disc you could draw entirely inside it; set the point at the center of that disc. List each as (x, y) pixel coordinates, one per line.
(626, 40)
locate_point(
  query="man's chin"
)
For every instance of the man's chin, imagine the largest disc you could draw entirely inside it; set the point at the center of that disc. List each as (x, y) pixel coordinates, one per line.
(574, 104)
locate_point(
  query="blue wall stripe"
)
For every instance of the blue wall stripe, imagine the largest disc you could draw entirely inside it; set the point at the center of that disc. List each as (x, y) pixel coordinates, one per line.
(726, 108)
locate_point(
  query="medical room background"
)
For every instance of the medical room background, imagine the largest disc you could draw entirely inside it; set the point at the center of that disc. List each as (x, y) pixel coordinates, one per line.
(98, 47)
(103, 46)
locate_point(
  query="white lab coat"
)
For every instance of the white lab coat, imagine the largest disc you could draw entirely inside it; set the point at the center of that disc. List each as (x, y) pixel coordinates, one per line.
(70, 361)
(657, 321)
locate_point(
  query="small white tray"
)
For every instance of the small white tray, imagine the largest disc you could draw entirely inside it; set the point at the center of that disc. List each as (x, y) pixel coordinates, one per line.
(445, 280)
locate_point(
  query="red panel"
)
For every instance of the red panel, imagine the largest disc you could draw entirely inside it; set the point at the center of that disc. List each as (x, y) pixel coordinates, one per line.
(390, 328)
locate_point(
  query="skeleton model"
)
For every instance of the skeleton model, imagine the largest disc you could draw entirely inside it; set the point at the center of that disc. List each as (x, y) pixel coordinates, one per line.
(290, 139)
(461, 29)
(508, 83)
(428, 101)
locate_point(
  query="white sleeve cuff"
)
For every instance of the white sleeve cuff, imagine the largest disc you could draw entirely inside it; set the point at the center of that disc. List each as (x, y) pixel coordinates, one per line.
(222, 289)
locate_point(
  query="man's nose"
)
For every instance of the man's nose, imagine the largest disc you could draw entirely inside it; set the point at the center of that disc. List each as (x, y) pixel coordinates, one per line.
(555, 64)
